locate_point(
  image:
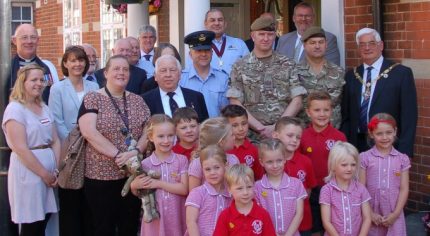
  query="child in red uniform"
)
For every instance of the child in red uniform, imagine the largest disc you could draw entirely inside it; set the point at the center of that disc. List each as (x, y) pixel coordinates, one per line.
(187, 131)
(289, 131)
(244, 216)
(244, 150)
(317, 141)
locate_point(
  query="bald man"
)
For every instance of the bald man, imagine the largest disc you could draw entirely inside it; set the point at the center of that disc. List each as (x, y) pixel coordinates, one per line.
(26, 40)
(137, 75)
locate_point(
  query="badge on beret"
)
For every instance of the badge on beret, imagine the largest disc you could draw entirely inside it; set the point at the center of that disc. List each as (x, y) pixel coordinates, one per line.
(202, 38)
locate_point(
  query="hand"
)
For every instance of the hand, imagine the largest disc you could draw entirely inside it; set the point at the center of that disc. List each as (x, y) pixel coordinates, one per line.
(376, 219)
(267, 131)
(49, 179)
(123, 157)
(144, 182)
(387, 221)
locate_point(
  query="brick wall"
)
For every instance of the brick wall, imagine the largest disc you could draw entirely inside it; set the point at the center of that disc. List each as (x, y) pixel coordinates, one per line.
(91, 18)
(406, 35)
(163, 22)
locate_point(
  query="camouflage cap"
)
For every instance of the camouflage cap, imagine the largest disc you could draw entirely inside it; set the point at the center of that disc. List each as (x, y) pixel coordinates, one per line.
(263, 23)
(313, 32)
(200, 40)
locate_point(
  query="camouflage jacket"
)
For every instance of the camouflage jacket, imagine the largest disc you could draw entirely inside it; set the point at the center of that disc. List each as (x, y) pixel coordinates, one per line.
(265, 87)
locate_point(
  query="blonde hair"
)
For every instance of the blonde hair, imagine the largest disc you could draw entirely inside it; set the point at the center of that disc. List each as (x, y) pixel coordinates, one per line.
(153, 121)
(213, 152)
(339, 152)
(212, 131)
(270, 144)
(237, 173)
(18, 90)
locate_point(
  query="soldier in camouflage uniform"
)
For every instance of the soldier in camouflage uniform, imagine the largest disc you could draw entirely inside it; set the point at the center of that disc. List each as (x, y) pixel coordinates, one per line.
(316, 73)
(261, 82)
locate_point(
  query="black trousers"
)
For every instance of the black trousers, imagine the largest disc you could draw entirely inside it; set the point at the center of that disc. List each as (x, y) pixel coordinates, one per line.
(75, 218)
(36, 228)
(110, 211)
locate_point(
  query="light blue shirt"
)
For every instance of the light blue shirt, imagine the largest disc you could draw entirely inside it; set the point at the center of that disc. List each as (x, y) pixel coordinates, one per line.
(147, 66)
(213, 88)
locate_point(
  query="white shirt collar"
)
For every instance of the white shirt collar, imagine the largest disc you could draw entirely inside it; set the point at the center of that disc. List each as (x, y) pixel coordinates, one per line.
(376, 65)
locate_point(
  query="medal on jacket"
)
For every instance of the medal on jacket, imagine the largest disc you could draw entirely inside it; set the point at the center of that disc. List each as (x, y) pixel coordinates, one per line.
(367, 90)
(368, 85)
(220, 62)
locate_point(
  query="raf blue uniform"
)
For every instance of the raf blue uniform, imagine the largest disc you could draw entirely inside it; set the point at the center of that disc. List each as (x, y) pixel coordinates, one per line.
(213, 88)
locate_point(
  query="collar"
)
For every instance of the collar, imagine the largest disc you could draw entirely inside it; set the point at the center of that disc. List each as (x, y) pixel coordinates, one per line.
(325, 131)
(26, 60)
(285, 182)
(193, 73)
(142, 53)
(253, 58)
(376, 65)
(245, 145)
(177, 91)
(236, 214)
(156, 162)
(296, 155)
(223, 37)
(375, 152)
(211, 191)
(353, 186)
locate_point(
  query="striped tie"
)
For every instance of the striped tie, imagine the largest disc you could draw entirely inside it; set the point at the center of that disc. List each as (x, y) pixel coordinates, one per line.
(172, 103)
(366, 99)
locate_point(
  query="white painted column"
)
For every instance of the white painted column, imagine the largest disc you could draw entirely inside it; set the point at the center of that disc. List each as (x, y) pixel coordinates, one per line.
(332, 20)
(137, 15)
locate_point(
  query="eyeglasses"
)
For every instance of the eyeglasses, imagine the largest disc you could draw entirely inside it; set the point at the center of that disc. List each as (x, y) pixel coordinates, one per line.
(28, 37)
(304, 16)
(371, 45)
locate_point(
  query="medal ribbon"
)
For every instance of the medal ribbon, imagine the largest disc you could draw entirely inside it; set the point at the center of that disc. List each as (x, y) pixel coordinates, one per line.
(219, 53)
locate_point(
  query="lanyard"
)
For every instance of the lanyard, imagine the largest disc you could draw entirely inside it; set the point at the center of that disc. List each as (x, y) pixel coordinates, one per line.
(124, 116)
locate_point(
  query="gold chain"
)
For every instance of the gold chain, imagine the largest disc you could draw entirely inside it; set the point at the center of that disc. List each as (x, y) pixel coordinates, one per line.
(368, 85)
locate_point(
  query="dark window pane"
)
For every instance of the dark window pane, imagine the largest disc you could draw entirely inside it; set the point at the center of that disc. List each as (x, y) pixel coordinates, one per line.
(16, 13)
(26, 13)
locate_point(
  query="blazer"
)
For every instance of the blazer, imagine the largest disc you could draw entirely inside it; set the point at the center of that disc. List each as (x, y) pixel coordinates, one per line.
(64, 104)
(396, 95)
(287, 43)
(137, 77)
(192, 99)
(250, 43)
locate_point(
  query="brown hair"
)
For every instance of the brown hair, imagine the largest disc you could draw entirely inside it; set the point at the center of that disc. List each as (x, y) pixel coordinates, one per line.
(318, 96)
(18, 90)
(381, 118)
(213, 151)
(161, 46)
(153, 121)
(233, 111)
(109, 61)
(186, 114)
(79, 53)
(270, 144)
(212, 131)
(286, 120)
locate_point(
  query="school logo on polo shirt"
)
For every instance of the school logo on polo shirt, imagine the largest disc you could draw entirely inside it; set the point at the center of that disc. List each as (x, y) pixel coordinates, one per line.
(301, 175)
(329, 144)
(249, 160)
(258, 226)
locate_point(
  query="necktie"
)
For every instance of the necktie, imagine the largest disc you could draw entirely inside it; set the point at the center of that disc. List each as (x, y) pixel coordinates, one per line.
(297, 51)
(147, 57)
(366, 99)
(172, 103)
(90, 78)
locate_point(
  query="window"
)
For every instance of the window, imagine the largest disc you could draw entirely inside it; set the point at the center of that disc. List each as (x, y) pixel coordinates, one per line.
(113, 26)
(72, 31)
(21, 14)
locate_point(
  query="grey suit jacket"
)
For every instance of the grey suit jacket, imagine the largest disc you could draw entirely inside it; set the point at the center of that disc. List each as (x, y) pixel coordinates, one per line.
(287, 42)
(64, 104)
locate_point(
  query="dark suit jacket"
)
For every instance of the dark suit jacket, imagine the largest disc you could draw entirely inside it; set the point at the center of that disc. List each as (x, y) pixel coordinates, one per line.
(137, 77)
(192, 99)
(395, 95)
(287, 42)
(149, 84)
(250, 43)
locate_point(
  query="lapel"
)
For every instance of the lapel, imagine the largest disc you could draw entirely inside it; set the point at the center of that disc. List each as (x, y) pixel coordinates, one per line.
(188, 101)
(70, 90)
(158, 103)
(292, 44)
(358, 87)
(381, 83)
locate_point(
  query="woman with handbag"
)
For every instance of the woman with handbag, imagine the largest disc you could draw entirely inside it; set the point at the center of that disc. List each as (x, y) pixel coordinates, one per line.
(111, 119)
(31, 134)
(64, 101)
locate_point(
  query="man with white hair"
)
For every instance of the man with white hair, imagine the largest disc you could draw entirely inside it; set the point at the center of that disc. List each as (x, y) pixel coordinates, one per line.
(147, 39)
(137, 75)
(93, 59)
(26, 40)
(169, 95)
(378, 85)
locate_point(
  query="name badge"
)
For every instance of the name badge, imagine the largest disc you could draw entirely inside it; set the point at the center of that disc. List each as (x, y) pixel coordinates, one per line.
(45, 121)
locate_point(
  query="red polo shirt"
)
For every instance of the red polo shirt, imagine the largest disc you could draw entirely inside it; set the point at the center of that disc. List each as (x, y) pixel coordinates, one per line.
(317, 147)
(300, 166)
(178, 149)
(247, 153)
(257, 222)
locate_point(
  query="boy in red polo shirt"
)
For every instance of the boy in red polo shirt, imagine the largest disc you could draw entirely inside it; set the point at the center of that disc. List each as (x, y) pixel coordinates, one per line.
(244, 216)
(245, 151)
(289, 131)
(317, 141)
(187, 131)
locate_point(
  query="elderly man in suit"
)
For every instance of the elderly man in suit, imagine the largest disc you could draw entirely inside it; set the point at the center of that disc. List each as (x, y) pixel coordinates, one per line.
(291, 44)
(378, 85)
(169, 95)
(137, 75)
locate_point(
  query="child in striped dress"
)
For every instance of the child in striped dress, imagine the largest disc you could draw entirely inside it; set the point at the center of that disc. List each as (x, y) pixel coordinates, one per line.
(205, 203)
(385, 172)
(345, 209)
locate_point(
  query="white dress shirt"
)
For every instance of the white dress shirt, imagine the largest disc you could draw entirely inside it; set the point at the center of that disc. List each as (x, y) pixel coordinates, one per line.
(178, 97)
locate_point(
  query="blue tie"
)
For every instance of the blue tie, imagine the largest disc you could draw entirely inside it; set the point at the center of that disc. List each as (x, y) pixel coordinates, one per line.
(172, 103)
(90, 78)
(147, 57)
(366, 99)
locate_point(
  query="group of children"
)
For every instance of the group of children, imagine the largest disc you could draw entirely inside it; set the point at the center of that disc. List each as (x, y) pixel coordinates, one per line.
(305, 178)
